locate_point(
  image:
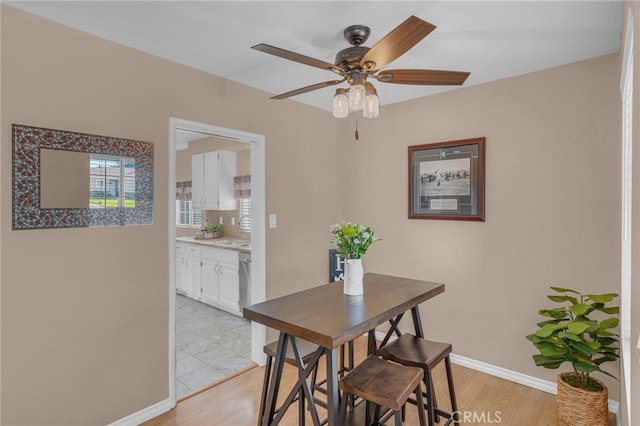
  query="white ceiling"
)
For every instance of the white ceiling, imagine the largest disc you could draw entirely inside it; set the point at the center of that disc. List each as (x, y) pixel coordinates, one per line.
(492, 40)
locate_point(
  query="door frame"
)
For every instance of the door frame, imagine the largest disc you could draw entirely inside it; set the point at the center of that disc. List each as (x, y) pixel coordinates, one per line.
(258, 233)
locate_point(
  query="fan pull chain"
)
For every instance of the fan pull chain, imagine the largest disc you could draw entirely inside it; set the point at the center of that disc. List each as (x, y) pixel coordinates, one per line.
(357, 135)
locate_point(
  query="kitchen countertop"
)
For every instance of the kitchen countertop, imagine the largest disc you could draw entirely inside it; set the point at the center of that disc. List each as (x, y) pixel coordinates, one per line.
(236, 244)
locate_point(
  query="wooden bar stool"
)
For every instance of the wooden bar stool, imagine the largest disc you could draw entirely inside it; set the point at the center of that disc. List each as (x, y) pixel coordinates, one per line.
(306, 349)
(415, 351)
(385, 384)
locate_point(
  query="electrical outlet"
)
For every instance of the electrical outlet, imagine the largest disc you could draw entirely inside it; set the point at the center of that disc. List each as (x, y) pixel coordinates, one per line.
(272, 221)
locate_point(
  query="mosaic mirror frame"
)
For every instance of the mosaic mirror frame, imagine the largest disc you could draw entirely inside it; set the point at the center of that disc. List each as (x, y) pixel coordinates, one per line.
(28, 142)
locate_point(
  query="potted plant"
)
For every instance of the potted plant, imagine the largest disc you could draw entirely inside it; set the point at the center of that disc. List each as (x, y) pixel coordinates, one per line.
(579, 332)
(210, 231)
(352, 241)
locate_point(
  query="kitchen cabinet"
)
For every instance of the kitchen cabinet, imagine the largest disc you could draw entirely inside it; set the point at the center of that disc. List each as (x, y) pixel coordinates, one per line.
(210, 281)
(210, 275)
(181, 268)
(221, 287)
(212, 176)
(192, 270)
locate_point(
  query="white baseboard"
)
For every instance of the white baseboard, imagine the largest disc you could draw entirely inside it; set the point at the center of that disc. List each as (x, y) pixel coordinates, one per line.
(145, 414)
(523, 379)
(513, 376)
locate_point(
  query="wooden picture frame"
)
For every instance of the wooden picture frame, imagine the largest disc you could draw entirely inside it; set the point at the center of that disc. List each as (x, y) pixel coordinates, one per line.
(446, 180)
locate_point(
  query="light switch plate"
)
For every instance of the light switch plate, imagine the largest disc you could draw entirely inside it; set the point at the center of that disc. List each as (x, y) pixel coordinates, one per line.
(272, 221)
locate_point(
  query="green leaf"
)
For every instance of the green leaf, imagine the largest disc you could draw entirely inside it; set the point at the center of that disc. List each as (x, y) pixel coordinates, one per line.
(582, 348)
(570, 336)
(593, 325)
(611, 311)
(577, 327)
(580, 308)
(552, 321)
(548, 330)
(606, 341)
(594, 345)
(608, 323)
(561, 299)
(584, 367)
(550, 350)
(545, 362)
(563, 290)
(606, 358)
(534, 339)
(602, 298)
(557, 313)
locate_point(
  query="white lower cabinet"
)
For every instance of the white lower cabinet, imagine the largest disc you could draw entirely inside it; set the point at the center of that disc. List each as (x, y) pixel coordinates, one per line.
(210, 278)
(229, 285)
(181, 269)
(193, 270)
(209, 275)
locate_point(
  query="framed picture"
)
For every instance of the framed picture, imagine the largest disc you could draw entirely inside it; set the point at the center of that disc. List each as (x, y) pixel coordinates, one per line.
(446, 180)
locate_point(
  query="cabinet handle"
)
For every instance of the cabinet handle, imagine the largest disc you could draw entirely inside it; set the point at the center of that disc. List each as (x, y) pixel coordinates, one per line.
(221, 269)
(215, 268)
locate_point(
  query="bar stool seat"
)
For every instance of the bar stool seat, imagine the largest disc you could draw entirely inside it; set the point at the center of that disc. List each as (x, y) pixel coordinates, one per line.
(306, 349)
(415, 351)
(385, 384)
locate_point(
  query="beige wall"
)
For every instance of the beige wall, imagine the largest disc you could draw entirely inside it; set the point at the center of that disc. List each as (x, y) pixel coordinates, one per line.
(88, 348)
(85, 311)
(552, 204)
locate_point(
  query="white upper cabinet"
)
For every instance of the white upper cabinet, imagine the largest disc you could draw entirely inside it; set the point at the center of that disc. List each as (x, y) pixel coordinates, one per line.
(212, 176)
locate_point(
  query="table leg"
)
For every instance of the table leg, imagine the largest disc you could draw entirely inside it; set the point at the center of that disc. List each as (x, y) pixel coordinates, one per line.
(417, 322)
(275, 380)
(333, 394)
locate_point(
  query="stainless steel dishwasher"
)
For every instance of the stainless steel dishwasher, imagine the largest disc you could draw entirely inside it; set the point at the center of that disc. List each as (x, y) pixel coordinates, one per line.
(245, 279)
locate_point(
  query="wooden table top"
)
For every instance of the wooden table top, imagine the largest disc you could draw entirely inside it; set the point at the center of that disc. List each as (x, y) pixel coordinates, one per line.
(329, 318)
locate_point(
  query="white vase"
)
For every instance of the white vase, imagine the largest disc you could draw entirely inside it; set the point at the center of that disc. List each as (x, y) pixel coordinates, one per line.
(353, 274)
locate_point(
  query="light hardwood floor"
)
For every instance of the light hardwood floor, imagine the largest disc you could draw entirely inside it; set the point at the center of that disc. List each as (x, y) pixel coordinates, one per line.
(491, 400)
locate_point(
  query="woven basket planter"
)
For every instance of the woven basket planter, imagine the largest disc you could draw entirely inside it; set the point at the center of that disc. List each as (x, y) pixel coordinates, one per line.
(578, 407)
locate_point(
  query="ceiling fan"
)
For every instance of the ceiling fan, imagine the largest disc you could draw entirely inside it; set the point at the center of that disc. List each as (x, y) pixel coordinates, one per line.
(358, 63)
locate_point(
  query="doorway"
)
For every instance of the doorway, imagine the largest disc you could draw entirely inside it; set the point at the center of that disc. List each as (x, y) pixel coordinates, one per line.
(178, 128)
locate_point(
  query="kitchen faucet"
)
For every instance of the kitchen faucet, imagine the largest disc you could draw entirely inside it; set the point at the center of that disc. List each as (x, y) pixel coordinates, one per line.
(246, 216)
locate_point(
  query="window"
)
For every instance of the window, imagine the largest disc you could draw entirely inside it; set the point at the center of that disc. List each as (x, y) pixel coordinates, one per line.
(112, 181)
(244, 215)
(186, 215)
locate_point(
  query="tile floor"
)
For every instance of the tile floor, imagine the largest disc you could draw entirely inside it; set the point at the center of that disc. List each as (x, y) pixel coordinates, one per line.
(210, 344)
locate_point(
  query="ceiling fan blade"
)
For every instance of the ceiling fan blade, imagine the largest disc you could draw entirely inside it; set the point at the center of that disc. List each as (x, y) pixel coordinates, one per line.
(308, 89)
(296, 57)
(396, 43)
(423, 77)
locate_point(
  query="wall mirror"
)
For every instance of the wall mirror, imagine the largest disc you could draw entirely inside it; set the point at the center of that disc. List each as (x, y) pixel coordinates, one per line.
(65, 180)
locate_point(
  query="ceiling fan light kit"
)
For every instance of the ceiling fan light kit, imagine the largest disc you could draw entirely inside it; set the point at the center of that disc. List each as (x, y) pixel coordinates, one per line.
(341, 103)
(371, 102)
(358, 63)
(356, 91)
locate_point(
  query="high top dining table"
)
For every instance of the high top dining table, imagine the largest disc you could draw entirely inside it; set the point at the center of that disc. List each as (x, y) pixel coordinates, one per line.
(325, 316)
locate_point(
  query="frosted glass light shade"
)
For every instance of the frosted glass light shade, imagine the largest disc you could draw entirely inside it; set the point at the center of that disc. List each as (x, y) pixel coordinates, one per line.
(356, 97)
(340, 105)
(371, 106)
